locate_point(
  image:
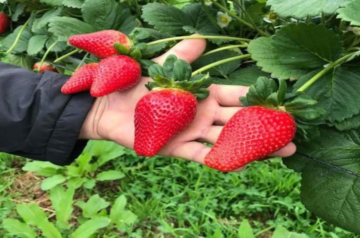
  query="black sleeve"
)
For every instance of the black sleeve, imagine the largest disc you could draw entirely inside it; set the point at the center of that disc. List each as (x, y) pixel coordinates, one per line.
(37, 121)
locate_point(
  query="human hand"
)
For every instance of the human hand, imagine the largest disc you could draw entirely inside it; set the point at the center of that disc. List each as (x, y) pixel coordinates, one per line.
(112, 116)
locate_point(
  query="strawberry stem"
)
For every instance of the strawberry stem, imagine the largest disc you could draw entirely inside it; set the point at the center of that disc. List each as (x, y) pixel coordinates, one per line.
(197, 37)
(244, 45)
(67, 55)
(47, 52)
(325, 71)
(207, 67)
(18, 37)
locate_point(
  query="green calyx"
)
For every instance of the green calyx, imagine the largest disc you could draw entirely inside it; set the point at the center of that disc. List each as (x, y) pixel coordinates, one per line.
(268, 93)
(176, 73)
(134, 52)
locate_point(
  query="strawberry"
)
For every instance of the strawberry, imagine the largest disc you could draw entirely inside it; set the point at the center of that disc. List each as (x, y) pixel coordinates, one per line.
(251, 134)
(170, 106)
(159, 116)
(44, 67)
(100, 44)
(116, 73)
(4, 22)
(81, 80)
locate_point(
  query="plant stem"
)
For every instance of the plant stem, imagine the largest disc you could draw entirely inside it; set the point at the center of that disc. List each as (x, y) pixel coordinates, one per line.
(197, 37)
(199, 71)
(47, 52)
(263, 33)
(18, 37)
(67, 55)
(82, 61)
(325, 71)
(224, 48)
(211, 18)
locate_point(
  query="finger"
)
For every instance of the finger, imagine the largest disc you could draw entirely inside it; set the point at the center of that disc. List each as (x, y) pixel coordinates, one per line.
(212, 134)
(228, 95)
(287, 151)
(224, 114)
(188, 50)
(193, 151)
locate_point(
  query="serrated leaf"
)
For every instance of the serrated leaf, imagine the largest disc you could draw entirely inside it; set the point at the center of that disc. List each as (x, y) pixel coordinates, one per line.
(301, 8)
(220, 70)
(306, 46)
(43, 21)
(24, 61)
(59, 47)
(200, 19)
(36, 44)
(350, 13)
(244, 77)
(148, 34)
(64, 27)
(337, 92)
(166, 18)
(53, 181)
(93, 206)
(348, 124)
(326, 191)
(16, 228)
(90, 227)
(23, 42)
(110, 175)
(73, 3)
(62, 201)
(262, 51)
(19, 9)
(109, 15)
(245, 230)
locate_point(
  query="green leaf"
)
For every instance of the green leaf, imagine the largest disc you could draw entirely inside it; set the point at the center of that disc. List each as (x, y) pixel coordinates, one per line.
(62, 201)
(90, 184)
(90, 227)
(244, 77)
(75, 183)
(221, 70)
(93, 206)
(64, 27)
(22, 44)
(59, 47)
(282, 91)
(200, 19)
(42, 168)
(328, 192)
(16, 228)
(109, 15)
(53, 181)
(350, 13)
(33, 215)
(245, 230)
(127, 218)
(73, 3)
(262, 51)
(104, 150)
(117, 210)
(166, 18)
(24, 61)
(55, 3)
(20, 8)
(282, 232)
(301, 8)
(349, 124)
(110, 175)
(36, 44)
(306, 46)
(336, 92)
(43, 21)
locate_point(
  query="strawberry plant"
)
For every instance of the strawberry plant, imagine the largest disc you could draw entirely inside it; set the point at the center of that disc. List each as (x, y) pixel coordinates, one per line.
(300, 57)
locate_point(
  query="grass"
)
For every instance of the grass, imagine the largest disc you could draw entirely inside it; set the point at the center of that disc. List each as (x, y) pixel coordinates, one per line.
(176, 198)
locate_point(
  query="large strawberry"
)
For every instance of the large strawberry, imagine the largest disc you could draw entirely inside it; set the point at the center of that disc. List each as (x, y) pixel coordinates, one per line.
(40, 68)
(4, 22)
(101, 43)
(81, 80)
(169, 108)
(251, 134)
(116, 73)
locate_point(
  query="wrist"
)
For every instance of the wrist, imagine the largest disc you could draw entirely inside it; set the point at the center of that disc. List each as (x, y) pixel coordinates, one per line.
(89, 129)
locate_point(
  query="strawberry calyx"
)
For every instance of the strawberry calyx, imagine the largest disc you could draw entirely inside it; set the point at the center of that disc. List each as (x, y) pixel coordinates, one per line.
(275, 95)
(176, 74)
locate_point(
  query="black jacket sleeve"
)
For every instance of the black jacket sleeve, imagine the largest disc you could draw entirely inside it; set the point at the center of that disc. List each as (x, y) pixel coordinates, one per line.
(37, 121)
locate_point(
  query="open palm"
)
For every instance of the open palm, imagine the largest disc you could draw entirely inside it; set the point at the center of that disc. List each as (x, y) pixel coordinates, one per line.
(112, 117)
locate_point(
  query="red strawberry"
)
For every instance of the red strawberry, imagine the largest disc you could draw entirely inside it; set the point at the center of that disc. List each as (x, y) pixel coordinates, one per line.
(44, 67)
(251, 134)
(116, 73)
(159, 116)
(4, 22)
(100, 44)
(81, 80)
